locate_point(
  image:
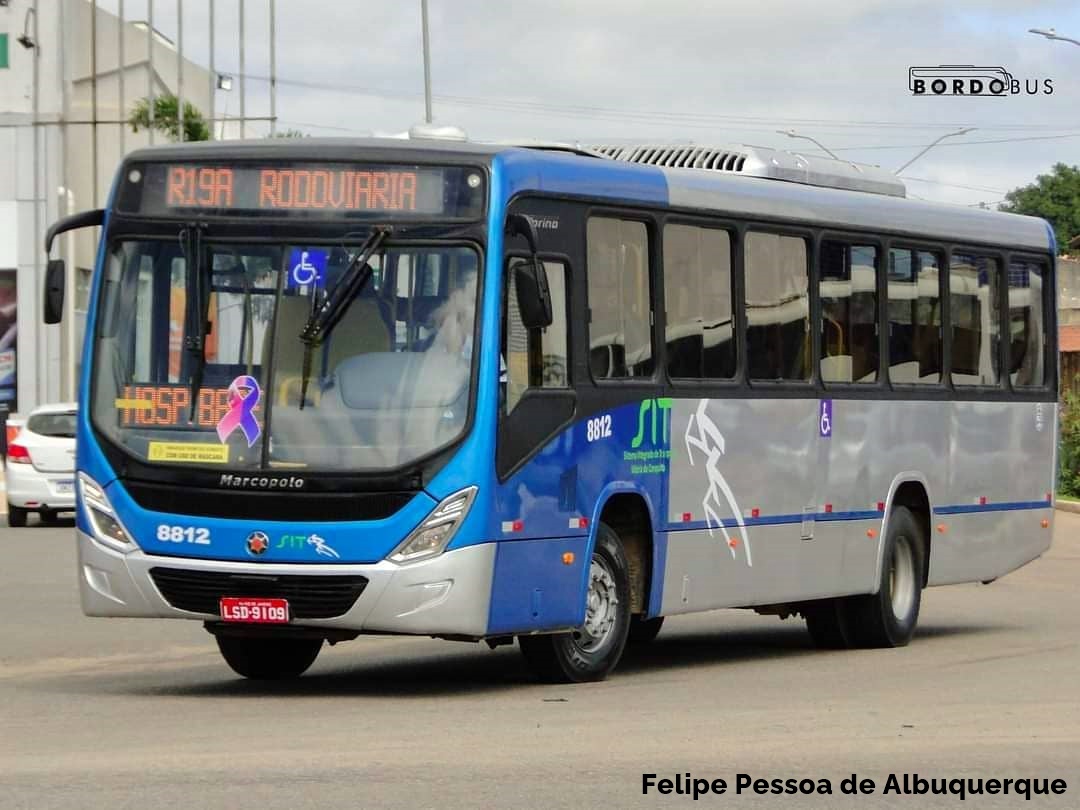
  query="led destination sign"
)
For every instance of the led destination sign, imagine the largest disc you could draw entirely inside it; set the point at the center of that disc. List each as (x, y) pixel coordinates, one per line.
(322, 190)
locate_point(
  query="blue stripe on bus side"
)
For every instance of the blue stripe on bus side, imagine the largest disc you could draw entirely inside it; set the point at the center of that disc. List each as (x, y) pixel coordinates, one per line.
(865, 514)
(1012, 506)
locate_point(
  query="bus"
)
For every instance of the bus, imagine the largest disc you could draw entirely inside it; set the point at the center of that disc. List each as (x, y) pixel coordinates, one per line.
(549, 394)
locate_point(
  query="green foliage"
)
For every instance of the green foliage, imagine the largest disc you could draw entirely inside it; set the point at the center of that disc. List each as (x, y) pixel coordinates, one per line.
(289, 133)
(1054, 197)
(167, 119)
(1069, 447)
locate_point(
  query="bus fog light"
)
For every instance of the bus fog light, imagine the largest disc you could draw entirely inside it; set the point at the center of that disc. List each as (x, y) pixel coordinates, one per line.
(431, 537)
(106, 526)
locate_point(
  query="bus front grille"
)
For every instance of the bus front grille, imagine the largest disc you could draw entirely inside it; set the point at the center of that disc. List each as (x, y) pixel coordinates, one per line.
(309, 596)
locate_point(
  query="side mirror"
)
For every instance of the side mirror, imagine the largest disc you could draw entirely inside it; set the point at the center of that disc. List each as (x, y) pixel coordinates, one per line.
(533, 295)
(54, 291)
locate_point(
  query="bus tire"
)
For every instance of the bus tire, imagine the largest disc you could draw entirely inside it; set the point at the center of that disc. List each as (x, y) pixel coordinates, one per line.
(16, 516)
(592, 651)
(888, 618)
(826, 620)
(643, 630)
(269, 659)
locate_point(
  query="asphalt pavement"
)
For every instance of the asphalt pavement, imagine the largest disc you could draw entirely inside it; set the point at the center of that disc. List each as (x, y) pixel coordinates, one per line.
(111, 713)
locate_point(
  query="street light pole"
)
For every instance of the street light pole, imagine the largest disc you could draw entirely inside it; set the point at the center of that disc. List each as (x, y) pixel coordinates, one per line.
(1050, 33)
(793, 134)
(963, 131)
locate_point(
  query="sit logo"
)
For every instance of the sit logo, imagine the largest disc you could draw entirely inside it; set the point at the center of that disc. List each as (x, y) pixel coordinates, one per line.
(653, 414)
(293, 541)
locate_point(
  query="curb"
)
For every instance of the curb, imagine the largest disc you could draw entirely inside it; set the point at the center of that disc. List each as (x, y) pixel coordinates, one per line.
(1067, 506)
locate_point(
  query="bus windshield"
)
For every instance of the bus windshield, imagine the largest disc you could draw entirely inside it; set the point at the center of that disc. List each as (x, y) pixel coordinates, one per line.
(389, 384)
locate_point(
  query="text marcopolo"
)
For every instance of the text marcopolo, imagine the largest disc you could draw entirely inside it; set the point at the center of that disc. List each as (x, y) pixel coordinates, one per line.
(686, 784)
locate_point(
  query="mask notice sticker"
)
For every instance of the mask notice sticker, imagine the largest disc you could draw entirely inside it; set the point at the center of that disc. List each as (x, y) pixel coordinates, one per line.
(190, 453)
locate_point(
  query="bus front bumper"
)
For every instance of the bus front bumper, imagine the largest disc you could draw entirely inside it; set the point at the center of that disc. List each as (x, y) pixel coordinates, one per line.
(447, 595)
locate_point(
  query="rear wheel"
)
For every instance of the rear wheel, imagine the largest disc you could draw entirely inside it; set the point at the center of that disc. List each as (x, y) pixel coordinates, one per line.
(888, 618)
(16, 517)
(593, 650)
(269, 659)
(642, 630)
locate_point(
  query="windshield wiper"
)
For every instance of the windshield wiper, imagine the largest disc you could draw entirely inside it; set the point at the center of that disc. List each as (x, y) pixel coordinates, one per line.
(195, 316)
(325, 317)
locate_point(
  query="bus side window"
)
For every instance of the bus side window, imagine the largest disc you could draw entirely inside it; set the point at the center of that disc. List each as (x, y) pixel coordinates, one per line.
(1027, 323)
(848, 291)
(777, 307)
(535, 358)
(914, 317)
(620, 339)
(697, 296)
(974, 287)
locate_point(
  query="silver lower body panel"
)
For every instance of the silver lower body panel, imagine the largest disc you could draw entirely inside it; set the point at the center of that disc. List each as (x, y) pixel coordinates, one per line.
(447, 595)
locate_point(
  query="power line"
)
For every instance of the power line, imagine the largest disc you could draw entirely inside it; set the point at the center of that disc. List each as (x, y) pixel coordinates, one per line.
(597, 112)
(956, 185)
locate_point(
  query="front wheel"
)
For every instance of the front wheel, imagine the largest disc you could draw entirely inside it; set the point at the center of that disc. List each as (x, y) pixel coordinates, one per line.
(887, 618)
(269, 659)
(592, 651)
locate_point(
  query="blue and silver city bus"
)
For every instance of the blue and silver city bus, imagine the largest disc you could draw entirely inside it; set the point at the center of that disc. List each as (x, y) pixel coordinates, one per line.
(481, 392)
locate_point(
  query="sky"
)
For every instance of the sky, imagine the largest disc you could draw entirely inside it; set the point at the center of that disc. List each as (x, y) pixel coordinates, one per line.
(678, 71)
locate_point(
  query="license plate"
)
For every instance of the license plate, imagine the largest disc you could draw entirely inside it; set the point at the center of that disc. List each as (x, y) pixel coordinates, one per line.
(254, 610)
(64, 487)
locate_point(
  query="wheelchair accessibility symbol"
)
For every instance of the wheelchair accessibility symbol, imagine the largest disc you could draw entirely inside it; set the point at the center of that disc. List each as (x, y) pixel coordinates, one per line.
(825, 419)
(307, 268)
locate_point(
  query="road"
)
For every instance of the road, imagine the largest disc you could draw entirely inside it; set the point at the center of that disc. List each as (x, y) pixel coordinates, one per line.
(142, 714)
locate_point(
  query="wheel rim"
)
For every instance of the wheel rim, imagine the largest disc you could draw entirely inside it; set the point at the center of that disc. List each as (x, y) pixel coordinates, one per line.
(902, 586)
(601, 608)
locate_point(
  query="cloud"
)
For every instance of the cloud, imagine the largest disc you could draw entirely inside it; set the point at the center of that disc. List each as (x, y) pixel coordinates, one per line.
(683, 70)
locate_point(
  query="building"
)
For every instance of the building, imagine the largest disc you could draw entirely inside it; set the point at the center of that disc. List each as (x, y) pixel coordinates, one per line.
(63, 103)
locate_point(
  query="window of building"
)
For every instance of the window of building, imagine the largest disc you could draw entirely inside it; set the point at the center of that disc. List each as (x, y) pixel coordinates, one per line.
(974, 285)
(849, 334)
(777, 307)
(914, 316)
(536, 358)
(1027, 323)
(697, 296)
(620, 341)
(3, 51)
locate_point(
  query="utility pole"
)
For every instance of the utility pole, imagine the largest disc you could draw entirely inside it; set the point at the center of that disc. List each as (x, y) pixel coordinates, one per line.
(243, 75)
(273, 69)
(427, 61)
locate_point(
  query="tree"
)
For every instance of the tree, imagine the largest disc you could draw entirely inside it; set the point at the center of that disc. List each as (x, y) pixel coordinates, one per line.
(1054, 197)
(166, 118)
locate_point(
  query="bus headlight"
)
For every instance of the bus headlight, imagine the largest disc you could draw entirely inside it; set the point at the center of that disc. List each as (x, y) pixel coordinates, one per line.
(430, 538)
(106, 526)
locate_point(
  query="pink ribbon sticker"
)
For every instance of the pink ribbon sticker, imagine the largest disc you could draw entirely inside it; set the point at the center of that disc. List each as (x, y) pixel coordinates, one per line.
(244, 395)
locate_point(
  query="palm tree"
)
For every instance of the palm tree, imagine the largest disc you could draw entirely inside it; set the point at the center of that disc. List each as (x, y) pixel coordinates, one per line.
(166, 118)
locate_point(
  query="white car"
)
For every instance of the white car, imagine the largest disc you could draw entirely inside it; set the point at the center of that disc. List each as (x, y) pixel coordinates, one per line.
(41, 465)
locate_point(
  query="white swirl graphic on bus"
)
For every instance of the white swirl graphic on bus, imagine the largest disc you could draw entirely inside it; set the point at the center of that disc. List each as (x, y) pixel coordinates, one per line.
(710, 441)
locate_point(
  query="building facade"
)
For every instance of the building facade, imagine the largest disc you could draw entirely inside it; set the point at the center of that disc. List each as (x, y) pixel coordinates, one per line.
(70, 73)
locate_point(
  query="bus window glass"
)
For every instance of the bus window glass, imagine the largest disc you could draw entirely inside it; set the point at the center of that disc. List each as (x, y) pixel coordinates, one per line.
(620, 343)
(849, 335)
(697, 297)
(973, 307)
(535, 358)
(914, 317)
(1027, 325)
(777, 307)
